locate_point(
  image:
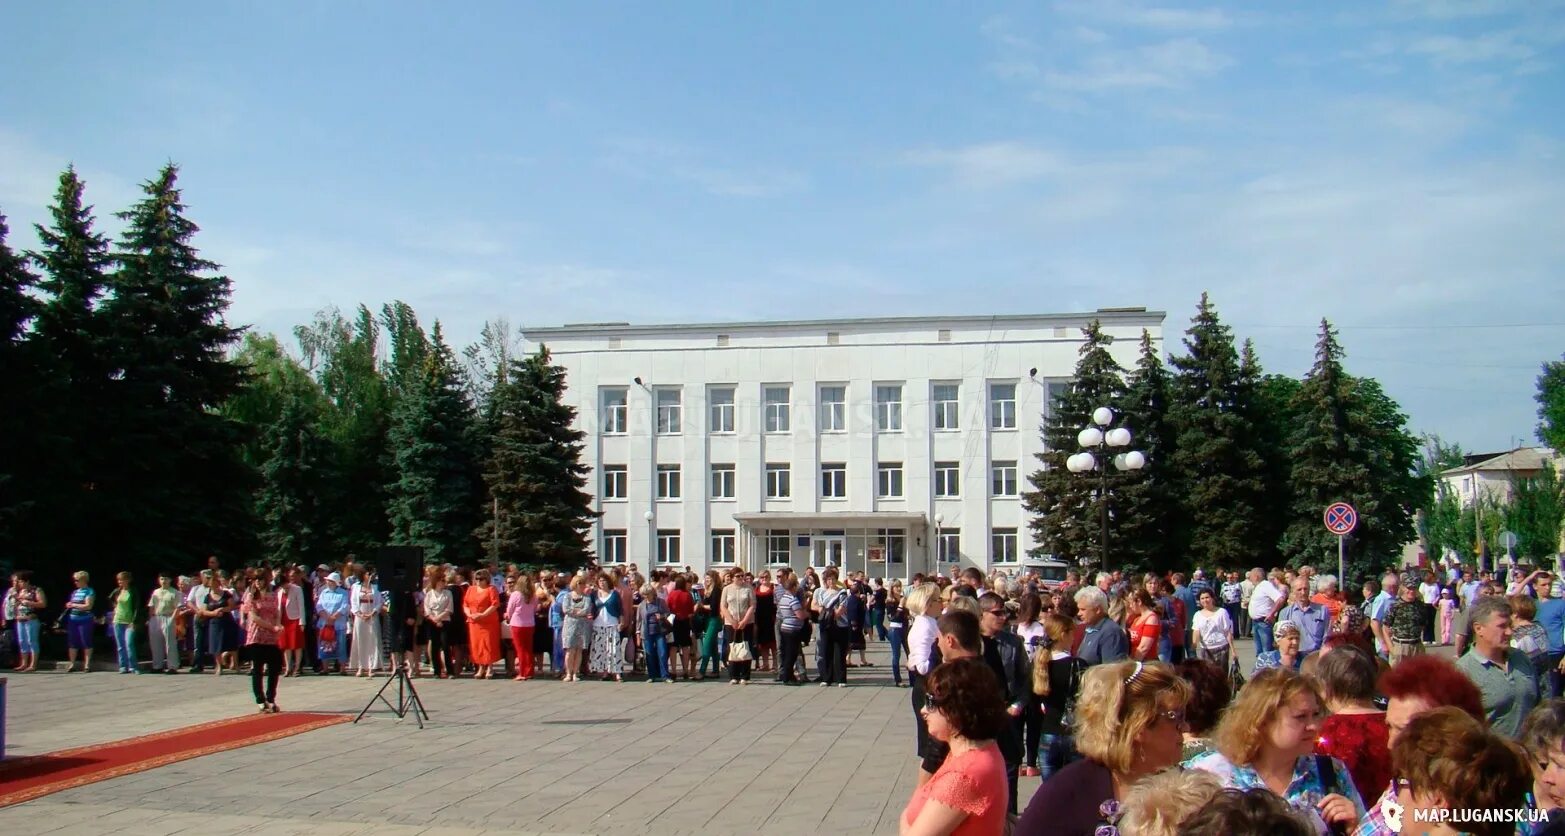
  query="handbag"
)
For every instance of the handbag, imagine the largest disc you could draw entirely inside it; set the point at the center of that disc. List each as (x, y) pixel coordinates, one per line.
(739, 651)
(1235, 678)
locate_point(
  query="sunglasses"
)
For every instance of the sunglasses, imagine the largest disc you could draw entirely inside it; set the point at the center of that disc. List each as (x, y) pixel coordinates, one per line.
(1002, 612)
(931, 702)
(1175, 717)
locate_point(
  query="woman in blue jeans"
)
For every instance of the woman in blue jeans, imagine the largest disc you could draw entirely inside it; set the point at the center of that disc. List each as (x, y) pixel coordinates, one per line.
(1056, 679)
(655, 627)
(896, 629)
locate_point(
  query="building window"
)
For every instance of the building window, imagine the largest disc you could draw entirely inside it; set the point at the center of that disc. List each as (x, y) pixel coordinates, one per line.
(834, 481)
(668, 545)
(1003, 478)
(616, 420)
(615, 481)
(1003, 546)
(669, 412)
(614, 546)
(945, 395)
(723, 546)
(721, 402)
(888, 480)
(668, 481)
(1002, 406)
(888, 408)
(722, 481)
(948, 549)
(1053, 391)
(834, 409)
(778, 546)
(776, 408)
(778, 482)
(946, 479)
(894, 541)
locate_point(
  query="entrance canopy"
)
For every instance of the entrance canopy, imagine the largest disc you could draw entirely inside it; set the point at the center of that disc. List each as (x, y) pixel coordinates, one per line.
(880, 543)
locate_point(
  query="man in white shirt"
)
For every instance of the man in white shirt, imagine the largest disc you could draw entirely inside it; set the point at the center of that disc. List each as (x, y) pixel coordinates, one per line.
(1246, 590)
(1381, 609)
(193, 601)
(1265, 601)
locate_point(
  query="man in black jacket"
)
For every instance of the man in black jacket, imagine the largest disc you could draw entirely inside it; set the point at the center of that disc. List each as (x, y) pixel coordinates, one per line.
(1006, 655)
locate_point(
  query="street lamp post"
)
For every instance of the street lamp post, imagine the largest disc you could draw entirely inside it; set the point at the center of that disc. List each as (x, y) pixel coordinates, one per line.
(652, 538)
(1098, 441)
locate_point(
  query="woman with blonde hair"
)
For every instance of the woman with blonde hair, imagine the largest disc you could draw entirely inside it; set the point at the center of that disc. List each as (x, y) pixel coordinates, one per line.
(1056, 678)
(924, 607)
(521, 615)
(576, 632)
(1160, 802)
(1267, 740)
(1130, 719)
(481, 605)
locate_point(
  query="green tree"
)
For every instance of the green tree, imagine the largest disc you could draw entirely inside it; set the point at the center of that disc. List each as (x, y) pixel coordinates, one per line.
(296, 481)
(1533, 515)
(19, 424)
(1350, 444)
(434, 501)
(1146, 508)
(1441, 517)
(75, 442)
(534, 474)
(273, 378)
(345, 357)
(1219, 472)
(185, 491)
(1064, 506)
(1551, 405)
(1267, 404)
(409, 348)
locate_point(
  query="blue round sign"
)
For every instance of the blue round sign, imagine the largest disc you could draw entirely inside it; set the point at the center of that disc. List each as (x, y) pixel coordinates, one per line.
(1341, 518)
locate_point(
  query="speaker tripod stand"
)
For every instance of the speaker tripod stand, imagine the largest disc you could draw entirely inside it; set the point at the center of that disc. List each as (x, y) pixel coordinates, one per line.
(407, 698)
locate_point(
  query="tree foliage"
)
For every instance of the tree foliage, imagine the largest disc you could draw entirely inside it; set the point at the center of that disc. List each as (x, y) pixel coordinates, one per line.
(1551, 405)
(1146, 508)
(1065, 506)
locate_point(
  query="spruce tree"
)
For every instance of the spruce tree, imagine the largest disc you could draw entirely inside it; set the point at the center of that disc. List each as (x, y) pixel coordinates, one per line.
(434, 501)
(296, 524)
(1215, 464)
(19, 422)
(1146, 507)
(535, 477)
(1350, 444)
(1265, 401)
(184, 490)
(76, 428)
(1064, 506)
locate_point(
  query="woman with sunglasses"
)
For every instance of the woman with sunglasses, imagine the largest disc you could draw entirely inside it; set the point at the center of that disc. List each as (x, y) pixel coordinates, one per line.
(965, 709)
(262, 615)
(1267, 740)
(1130, 721)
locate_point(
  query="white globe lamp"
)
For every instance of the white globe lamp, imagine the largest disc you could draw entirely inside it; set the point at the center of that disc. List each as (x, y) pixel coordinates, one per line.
(1103, 416)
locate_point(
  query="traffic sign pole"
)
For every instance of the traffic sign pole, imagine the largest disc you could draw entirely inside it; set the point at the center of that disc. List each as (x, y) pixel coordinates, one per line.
(1342, 562)
(1340, 518)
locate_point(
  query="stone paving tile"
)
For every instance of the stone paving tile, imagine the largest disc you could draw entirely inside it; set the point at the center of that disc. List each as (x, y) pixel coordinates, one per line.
(497, 757)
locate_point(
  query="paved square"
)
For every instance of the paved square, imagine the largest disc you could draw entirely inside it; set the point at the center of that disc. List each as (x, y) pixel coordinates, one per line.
(496, 757)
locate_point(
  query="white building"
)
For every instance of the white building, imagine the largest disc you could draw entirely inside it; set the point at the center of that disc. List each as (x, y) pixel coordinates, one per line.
(887, 445)
(1494, 475)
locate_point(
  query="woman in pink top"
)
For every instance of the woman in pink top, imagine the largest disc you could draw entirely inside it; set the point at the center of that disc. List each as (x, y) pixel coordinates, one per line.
(263, 622)
(964, 708)
(521, 614)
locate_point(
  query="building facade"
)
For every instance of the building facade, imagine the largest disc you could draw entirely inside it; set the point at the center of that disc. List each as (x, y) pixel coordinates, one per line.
(891, 446)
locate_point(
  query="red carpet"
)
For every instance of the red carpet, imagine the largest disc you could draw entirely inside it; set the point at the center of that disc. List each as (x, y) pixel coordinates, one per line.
(27, 778)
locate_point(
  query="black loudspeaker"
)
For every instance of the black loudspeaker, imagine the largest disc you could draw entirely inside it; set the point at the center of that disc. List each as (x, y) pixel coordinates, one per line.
(400, 571)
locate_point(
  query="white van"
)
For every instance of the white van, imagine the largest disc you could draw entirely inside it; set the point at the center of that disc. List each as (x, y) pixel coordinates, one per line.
(1050, 571)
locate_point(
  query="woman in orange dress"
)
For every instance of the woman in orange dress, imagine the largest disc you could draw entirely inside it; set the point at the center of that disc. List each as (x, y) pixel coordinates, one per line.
(482, 606)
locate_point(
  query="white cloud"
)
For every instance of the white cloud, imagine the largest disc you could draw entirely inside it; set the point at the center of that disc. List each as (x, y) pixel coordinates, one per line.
(1448, 50)
(1170, 64)
(991, 164)
(1140, 16)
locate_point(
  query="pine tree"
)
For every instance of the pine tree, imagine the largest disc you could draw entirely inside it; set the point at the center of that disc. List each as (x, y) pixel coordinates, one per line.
(1146, 507)
(1551, 405)
(1216, 467)
(535, 477)
(296, 479)
(184, 490)
(19, 424)
(435, 499)
(75, 443)
(1064, 506)
(1349, 444)
(1266, 402)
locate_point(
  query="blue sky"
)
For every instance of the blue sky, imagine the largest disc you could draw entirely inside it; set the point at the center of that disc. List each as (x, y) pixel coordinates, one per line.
(1397, 168)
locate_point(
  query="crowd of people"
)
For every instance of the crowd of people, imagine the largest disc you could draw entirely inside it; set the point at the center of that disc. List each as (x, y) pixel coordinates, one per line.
(1125, 695)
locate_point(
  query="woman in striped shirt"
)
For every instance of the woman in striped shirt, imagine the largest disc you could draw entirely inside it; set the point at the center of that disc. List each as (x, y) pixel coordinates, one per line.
(790, 628)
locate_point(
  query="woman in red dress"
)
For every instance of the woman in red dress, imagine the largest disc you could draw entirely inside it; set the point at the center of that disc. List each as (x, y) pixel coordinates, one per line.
(1356, 732)
(481, 604)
